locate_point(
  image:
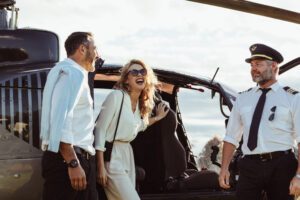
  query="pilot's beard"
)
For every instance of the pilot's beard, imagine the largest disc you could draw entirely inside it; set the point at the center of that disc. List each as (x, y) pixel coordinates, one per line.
(264, 77)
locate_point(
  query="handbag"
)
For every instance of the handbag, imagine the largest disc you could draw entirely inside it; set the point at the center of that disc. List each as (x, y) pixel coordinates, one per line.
(109, 145)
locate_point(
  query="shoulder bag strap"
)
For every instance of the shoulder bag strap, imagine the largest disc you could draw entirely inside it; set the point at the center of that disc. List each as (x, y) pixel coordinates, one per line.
(118, 118)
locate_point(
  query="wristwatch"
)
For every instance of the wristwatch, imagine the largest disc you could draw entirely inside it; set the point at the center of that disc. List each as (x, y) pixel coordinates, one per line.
(73, 163)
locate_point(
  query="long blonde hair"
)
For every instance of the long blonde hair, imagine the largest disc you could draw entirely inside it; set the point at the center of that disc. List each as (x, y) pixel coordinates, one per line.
(146, 101)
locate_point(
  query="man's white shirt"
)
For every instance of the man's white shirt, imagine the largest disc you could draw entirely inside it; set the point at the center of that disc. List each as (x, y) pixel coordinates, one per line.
(273, 135)
(78, 120)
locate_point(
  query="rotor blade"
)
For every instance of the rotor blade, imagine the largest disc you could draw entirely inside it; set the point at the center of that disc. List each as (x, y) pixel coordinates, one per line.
(255, 8)
(289, 65)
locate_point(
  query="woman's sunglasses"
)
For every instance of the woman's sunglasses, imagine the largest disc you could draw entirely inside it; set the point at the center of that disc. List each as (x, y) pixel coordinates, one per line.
(135, 72)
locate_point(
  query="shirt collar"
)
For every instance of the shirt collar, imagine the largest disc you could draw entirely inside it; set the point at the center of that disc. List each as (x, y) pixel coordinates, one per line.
(275, 86)
(76, 65)
(129, 102)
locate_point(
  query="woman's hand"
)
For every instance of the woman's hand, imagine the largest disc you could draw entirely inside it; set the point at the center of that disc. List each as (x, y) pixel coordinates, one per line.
(102, 176)
(161, 111)
(101, 171)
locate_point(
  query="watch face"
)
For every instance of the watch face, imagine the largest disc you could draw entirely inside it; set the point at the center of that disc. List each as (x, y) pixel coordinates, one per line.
(73, 163)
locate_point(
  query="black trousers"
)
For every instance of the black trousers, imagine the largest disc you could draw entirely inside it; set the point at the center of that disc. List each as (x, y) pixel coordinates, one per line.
(57, 184)
(272, 176)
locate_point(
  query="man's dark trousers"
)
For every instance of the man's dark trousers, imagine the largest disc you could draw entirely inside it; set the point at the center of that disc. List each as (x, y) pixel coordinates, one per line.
(57, 184)
(273, 176)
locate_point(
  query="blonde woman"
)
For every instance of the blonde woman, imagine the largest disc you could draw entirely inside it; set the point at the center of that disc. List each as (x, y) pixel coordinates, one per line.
(137, 83)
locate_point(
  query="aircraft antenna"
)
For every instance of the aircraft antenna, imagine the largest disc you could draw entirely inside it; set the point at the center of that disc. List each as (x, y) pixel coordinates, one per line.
(212, 80)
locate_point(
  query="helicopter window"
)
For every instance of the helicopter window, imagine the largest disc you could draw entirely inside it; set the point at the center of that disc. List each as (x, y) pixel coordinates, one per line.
(201, 116)
(21, 100)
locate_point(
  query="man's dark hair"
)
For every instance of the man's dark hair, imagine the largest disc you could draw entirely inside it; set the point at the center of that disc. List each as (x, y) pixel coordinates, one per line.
(75, 40)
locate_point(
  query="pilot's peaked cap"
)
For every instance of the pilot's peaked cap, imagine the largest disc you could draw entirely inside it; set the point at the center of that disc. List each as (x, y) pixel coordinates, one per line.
(264, 52)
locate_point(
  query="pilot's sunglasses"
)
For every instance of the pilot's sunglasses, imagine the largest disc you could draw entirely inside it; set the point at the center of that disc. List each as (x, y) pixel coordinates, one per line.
(272, 116)
(136, 72)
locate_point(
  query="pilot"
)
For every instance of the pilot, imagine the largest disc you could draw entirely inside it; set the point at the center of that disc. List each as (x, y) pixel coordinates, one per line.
(267, 117)
(68, 163)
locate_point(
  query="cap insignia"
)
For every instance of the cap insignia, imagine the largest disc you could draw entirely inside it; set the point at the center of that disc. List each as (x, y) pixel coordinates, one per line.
(253, 48)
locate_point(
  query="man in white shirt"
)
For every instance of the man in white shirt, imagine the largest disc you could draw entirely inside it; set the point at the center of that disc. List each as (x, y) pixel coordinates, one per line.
(68, 164)
(267, 117)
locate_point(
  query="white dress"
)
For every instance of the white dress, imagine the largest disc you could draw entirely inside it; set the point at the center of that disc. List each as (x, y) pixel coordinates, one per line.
(121, 168)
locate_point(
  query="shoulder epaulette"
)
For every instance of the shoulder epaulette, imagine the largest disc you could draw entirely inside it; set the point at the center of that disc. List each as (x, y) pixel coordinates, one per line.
(290, 90)
(245, 91)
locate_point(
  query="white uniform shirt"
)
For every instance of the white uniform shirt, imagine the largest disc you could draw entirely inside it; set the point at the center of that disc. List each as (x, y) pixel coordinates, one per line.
(273, 135)
(129, 125)
(79, 123)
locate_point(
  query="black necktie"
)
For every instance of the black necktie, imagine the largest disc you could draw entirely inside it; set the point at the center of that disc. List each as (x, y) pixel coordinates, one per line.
(252, 139)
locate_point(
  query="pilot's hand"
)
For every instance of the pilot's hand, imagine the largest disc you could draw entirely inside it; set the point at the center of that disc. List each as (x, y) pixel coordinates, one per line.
(161, 111)
(295, 186)
(224, 179)
(77, 177)
(102, 176)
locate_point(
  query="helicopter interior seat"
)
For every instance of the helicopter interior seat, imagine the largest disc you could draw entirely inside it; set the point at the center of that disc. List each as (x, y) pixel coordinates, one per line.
(179, 177)
(158, 151)
(146, 148)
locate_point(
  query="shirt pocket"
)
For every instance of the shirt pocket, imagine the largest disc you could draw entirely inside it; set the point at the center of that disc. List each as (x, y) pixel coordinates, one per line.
(246, 115)
(282, 114)
(282, 118)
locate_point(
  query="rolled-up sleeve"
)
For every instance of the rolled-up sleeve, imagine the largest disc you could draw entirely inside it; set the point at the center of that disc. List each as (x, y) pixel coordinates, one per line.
(296, 117)
(234, 129)
(108, 110)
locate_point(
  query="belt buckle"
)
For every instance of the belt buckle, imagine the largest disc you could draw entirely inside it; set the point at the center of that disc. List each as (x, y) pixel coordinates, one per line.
(265, 157)
(262, 158)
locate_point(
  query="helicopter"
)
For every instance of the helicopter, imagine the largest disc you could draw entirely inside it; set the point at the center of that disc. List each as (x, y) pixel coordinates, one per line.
(26, 57)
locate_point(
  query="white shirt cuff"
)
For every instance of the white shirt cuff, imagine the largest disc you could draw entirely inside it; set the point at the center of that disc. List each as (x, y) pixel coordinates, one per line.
(231, 140)
(66, 138)
(99, 148)
(298, 140)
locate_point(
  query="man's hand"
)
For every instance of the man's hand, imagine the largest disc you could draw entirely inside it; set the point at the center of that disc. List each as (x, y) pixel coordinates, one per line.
(77, 177)
(77, 174)
(295, 186)
(102, 176)
(224, 179)
(228, 150)
(295, 183)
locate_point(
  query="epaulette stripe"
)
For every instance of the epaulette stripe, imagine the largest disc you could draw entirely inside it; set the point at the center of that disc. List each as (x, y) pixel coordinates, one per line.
(290, 90)
(245, 91)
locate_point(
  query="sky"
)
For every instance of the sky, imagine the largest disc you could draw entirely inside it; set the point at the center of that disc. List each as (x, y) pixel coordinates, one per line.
(171, 34)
